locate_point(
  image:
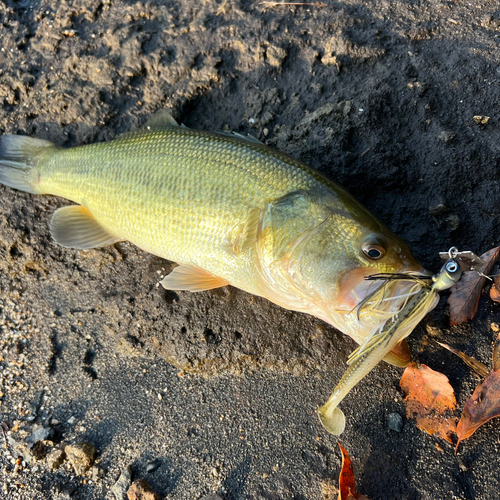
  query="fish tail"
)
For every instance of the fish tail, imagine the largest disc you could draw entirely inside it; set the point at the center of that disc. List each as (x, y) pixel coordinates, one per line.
(18, 161)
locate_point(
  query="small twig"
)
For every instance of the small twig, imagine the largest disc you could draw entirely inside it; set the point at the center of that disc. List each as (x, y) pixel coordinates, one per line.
(277, 4)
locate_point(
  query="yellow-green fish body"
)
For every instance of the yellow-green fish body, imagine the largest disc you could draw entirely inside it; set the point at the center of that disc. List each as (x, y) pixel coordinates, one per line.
(229, 210)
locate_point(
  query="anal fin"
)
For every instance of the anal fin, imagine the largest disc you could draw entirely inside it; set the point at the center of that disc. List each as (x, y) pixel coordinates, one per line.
(192, 278)
(76, 227)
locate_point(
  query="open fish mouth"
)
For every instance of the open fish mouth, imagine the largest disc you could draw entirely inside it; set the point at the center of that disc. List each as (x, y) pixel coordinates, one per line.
(390, 294)
(383, 305)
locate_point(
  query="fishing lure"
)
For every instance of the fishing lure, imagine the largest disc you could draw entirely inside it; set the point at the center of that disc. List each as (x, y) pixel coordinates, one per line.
(421, 299)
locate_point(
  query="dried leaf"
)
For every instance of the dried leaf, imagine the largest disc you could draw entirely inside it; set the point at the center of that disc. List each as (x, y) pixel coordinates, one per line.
(443, 427)
(464, 297)
(495, 290)
(347, 487)
(428, 389)
(346, 479)
(480, 368)
(496, 354)
(483, 405)
(428, 395)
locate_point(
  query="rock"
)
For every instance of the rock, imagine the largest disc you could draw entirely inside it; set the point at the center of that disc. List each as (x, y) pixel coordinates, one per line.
(438, 209)
(121, 486)
(17, 441)
(153, 465)
(97, 473)
(81, 456)
(482, 120)
(453, 222)
(275, 55)
(55, 458)
(39, 433)
(446, 136)
(140, 490)
(395, 422)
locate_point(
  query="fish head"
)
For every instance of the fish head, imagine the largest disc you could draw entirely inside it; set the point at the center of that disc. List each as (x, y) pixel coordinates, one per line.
(330, 266)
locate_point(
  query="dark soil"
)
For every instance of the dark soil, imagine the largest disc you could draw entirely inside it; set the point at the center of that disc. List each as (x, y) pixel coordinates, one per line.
(381, 97)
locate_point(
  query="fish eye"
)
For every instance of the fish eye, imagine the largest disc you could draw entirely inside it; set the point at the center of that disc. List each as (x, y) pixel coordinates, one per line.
(373, 250)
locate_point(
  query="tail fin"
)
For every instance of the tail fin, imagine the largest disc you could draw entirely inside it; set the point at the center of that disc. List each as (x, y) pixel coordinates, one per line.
(17, 159)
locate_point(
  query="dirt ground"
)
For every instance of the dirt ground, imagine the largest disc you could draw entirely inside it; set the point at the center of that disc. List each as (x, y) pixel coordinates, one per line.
(222, 387)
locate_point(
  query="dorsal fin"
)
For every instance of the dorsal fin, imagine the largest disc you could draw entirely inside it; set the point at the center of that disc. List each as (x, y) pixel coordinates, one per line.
(160, 120)
(237, 135)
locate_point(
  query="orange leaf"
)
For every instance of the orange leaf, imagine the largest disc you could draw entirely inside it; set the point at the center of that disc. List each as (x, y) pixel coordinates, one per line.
(483, 405)
(428, 395)
(347, 488)
(427, 390)
(346, 480)
(495, 290)
(464, 297)
(440, 426)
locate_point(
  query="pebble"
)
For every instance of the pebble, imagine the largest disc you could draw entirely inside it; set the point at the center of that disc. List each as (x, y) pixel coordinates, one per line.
(121, 486)
(55, 458)
(481, 119)
(438, 209)
(453, 222)
(446, 136)
(275, 55)
(81, 456)
(39, 433)
(395, 422)
(153, 465)
(140, 490)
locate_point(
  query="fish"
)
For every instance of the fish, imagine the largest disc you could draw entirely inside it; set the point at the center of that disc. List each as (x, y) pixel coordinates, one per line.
(422, 299)
(229, 210)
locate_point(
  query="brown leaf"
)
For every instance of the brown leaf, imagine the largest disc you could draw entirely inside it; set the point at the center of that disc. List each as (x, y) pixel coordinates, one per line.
(346, 479)
(464, 297)
(495, 290)
(428, 395)
(347, 487)
(496, 354)
(480, 368)
(483, 405)
(427, 389)
(443, 427)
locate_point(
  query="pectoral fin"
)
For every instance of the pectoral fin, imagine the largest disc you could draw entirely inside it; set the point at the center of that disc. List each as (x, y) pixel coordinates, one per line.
(75, 227)
(192, 278)
(245, 234)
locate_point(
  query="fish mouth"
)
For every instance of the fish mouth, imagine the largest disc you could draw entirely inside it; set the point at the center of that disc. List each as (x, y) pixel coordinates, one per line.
(369, 300)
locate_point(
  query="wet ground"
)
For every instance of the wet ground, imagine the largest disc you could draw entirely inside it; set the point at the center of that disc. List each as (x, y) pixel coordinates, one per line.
(222, 386)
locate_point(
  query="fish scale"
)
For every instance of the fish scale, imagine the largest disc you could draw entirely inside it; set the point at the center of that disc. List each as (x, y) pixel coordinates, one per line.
(209, 181)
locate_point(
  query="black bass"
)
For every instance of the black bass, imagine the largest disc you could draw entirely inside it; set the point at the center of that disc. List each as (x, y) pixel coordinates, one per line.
(229, 210)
